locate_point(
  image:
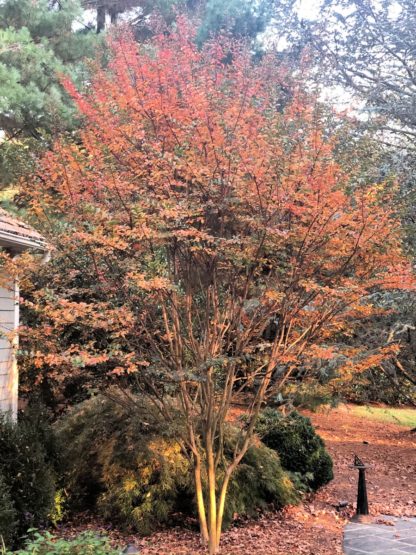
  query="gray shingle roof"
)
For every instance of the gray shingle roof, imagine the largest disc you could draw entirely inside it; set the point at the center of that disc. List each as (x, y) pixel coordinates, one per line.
(12, 229)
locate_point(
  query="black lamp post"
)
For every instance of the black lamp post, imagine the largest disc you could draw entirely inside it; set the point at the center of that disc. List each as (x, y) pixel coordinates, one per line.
(362, 499)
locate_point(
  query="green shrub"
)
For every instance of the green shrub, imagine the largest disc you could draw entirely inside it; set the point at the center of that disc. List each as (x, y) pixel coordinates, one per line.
(144, 492)
(36, 417)
(130, 469)
(26, 472)
(8, 515)
(258, 483)
(301, 450)
(87, 543)
(126, 466)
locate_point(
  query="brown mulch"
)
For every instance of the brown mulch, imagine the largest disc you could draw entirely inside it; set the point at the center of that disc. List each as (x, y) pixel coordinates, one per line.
(315, 527)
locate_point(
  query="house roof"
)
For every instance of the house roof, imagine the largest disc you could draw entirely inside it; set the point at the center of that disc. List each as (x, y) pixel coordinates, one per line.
(18, 235)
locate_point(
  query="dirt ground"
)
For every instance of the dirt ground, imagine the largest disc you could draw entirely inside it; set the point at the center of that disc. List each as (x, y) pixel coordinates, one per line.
(315, 527)
(388, 449)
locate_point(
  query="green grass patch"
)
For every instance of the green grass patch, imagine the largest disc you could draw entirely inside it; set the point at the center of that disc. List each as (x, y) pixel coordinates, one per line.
(401, 417)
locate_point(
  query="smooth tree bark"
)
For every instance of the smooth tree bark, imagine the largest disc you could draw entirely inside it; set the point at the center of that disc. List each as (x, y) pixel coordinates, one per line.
(208, 245)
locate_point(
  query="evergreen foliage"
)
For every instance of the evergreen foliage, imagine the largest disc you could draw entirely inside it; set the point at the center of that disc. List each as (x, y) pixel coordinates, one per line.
(37, 43)
(27, 473)
(8, 516)
(131, 469)
(301, 450)
(259, 483)
(243, 18)
(124, 464)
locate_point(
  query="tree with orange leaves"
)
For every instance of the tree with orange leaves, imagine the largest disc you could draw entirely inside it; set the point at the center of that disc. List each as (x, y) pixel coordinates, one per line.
(211, 244)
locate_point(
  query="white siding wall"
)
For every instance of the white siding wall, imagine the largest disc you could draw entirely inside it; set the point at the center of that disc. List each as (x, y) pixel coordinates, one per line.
(9, 319)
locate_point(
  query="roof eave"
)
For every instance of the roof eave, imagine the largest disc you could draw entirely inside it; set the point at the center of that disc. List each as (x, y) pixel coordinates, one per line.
(20, 242)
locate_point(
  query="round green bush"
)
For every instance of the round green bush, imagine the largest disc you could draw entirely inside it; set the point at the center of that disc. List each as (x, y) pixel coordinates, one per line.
(130, 469)
(300, 448)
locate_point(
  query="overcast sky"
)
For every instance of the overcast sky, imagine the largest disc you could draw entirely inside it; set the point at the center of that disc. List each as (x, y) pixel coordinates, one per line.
(308, 9)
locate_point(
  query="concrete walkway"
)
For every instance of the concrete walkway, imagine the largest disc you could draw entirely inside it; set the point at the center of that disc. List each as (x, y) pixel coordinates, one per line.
(381, 539)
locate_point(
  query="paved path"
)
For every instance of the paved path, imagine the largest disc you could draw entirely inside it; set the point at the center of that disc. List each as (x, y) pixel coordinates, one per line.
(381, 539)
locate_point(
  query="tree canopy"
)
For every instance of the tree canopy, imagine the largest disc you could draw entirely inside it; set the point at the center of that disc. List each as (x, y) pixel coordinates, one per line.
(371, 47)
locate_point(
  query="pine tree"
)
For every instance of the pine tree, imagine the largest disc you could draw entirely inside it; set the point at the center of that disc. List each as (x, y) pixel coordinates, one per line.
(37, 43)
